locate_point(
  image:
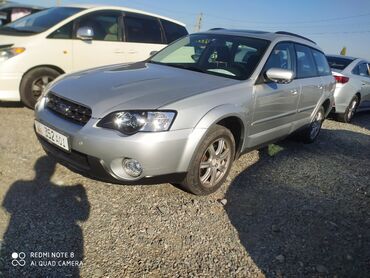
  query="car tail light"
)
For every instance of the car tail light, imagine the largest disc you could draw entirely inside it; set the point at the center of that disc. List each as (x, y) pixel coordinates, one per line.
(341, 79)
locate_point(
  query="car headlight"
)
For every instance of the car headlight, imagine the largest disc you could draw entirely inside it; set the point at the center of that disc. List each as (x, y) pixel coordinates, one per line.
(130, 122)
(7, 53)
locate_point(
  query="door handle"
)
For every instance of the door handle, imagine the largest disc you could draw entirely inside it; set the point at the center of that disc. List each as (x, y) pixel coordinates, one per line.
(118, 51)
(321, 86)
(294, 91)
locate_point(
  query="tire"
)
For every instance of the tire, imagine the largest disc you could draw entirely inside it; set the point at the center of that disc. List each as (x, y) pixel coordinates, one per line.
(217, 151)
(309, 134)
(347, 116)
(34, 82)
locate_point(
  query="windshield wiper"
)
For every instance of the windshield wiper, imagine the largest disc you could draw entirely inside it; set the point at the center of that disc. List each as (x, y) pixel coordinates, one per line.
(157, 63)
(181, 66)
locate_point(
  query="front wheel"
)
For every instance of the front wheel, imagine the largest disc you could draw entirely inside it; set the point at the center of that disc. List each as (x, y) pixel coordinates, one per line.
(310, 134)
(33, 84)
(211, 164)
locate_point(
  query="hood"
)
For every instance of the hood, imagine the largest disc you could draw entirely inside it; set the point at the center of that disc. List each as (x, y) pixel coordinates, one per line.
(141, 86)
(7, 41)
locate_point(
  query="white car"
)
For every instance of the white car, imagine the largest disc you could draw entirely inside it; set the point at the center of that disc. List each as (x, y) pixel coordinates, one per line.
(34, 50)
(352, 91)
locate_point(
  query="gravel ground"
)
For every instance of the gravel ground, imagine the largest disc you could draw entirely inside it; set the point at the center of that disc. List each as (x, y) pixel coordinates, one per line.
(302, 212)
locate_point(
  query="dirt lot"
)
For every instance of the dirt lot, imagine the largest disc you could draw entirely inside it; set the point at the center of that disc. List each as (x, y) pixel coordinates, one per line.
(302, 212)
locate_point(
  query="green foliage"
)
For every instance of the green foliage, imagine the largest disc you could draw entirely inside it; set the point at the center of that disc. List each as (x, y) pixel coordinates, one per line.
(274, 149)
(343, 51)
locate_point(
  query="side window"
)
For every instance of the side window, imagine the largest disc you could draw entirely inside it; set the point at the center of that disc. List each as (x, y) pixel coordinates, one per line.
(281, 57)
(356, 70)
(173, 31)
(322, 65)
(105, 25)
(64, 32)
(363, 69)
(143, 29)
(305, 63)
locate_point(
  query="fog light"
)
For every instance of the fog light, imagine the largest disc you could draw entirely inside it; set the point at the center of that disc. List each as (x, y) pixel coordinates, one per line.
(132, 167)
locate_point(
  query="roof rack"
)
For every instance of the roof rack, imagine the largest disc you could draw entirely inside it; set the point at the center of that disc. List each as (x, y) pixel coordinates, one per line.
(295, 35)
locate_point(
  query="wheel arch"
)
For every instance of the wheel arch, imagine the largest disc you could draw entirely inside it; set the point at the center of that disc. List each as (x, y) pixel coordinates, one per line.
(58, 69)
(226, 115)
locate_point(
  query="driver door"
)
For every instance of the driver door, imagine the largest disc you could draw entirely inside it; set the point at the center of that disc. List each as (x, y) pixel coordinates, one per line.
(275, 104)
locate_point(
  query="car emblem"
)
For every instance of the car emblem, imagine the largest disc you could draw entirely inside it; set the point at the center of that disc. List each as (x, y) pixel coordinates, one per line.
(64, 108)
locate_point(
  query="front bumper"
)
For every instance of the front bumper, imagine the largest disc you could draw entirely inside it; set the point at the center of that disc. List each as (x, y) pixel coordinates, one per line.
(9, 86)
(100, 152)
(91, 167)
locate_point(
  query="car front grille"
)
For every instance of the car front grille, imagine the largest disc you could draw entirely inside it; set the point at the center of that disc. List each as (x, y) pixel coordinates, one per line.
(67, 109)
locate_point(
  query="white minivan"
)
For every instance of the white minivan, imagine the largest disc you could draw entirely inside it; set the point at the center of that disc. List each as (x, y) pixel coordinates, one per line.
(36, 49)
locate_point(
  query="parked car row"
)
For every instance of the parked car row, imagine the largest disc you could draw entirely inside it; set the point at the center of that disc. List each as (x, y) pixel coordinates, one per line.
(181, 113)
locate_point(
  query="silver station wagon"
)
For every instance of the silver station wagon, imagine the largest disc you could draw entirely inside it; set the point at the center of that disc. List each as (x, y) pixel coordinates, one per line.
(184, 115)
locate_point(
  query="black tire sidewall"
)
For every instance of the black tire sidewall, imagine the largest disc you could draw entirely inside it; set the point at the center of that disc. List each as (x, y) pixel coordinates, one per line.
(192, 182)
(27, 80)
(306, 135)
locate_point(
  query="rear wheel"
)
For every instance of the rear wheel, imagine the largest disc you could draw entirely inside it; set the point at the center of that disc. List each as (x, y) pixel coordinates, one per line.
(34, 83)
(310, 134)
(212, 162)
(347, 116)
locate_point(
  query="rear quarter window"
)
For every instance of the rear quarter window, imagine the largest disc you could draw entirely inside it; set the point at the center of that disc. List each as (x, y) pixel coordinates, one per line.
(173, 31)
(322, 65)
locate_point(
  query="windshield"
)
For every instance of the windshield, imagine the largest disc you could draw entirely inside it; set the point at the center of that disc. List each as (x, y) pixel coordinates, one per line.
(338, 63)
(40, 21)
(222, 55)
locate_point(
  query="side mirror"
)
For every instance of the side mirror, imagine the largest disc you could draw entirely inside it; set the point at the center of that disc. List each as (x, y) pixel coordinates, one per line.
(152, 53)
(280, 75)
(85, 33)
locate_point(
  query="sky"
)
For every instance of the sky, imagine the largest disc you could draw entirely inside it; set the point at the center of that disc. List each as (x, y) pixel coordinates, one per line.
(333, 24)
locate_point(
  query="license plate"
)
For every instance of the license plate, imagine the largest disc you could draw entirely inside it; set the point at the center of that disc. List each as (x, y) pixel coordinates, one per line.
(52, 136)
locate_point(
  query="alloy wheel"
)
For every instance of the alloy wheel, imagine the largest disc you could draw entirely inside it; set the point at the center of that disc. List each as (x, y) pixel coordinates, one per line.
(351, 110)
(39, 84)
(215, 162)
(316, 124)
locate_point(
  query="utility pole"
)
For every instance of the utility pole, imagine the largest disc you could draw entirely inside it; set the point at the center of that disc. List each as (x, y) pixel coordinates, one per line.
(198, 23)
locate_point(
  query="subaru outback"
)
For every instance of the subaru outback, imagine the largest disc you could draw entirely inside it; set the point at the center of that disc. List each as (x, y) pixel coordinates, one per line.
(185, 114)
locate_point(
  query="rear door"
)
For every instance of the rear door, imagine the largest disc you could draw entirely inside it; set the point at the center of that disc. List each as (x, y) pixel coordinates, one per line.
(143, 35)
(312, 86)
(106, 47)
(276, 104)
(324, 71)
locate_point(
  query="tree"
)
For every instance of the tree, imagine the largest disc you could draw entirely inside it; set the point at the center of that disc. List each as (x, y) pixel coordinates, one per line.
(343, 51)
